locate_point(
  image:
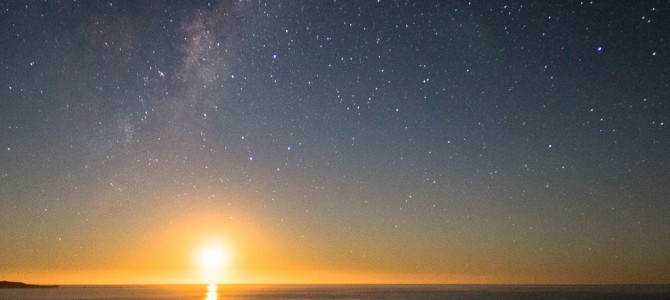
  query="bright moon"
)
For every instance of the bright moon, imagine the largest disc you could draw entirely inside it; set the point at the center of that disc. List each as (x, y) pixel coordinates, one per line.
(213, 257)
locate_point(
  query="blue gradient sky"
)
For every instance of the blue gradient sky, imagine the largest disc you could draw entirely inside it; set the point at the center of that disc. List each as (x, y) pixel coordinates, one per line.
(344, 141)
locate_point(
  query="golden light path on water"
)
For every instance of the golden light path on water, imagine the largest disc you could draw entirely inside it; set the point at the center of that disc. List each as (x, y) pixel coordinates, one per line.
(212, 292)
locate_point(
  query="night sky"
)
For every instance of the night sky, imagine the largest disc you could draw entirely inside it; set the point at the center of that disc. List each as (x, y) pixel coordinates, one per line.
(336, 141)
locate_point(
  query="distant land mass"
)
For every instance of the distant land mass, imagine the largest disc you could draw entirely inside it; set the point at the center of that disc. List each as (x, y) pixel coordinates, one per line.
(21, 285)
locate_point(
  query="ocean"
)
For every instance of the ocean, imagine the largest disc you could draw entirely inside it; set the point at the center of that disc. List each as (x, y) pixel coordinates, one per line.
(204, 292)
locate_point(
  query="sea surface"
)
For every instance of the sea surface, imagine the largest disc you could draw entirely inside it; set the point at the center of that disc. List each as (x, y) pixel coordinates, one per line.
(205, 292)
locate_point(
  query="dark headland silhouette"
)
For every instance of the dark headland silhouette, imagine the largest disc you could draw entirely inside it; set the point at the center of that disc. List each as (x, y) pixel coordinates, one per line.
(21, 285)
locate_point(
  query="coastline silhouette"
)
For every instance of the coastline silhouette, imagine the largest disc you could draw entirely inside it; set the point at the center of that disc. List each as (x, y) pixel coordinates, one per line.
(21, 285)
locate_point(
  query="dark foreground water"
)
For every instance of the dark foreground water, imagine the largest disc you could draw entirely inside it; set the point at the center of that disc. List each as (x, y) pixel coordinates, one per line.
(204, 292)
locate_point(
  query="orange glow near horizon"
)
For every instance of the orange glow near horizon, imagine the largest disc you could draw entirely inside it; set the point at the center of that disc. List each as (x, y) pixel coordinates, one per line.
(201, 248)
